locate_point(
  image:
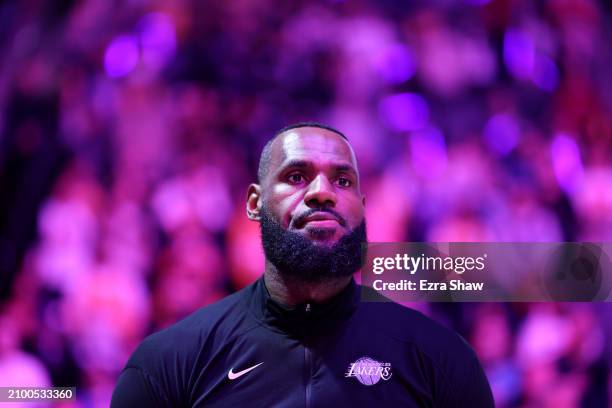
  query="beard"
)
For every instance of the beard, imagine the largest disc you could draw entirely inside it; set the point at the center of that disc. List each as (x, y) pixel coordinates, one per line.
(297, 257)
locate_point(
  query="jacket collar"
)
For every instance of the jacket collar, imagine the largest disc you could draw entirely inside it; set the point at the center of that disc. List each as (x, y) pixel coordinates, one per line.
(304, 319)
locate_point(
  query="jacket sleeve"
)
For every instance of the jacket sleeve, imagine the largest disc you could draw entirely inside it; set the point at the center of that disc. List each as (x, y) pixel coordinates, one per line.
(468, 387)
(136, 388)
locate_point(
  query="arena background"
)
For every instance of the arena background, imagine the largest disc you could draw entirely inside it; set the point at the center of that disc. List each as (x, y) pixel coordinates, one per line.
(131, 129)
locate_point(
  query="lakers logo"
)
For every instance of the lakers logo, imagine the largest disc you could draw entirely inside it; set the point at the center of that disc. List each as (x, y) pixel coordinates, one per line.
(369, 371)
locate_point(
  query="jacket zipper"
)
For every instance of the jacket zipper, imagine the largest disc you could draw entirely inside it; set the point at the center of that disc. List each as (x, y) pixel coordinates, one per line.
(308, 361)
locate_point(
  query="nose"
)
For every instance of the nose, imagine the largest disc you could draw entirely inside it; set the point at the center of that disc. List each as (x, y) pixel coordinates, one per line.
(320, 193)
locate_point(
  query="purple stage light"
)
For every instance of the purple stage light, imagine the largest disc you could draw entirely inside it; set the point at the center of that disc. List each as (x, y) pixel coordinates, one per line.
(567, 163)
(396, 63)
(519, 53)
(545, 73)
(157, 38)
(404, 112)
(121, 56)
(502, 133)
(428, 153)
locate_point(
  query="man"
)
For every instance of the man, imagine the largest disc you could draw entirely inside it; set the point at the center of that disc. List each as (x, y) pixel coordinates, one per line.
(300, 336)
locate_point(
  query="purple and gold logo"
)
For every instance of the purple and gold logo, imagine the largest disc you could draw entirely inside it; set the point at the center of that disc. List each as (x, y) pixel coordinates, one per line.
(369, 371)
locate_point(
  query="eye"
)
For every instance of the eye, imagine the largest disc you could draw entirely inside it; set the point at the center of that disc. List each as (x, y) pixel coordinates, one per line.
(295, 178)
(344, 182)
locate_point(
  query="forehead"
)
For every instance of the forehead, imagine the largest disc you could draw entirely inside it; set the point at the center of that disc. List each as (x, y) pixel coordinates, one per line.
(311, 144)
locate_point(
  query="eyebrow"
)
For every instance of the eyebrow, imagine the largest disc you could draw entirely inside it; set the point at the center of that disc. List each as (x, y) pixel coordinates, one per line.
(303, 164)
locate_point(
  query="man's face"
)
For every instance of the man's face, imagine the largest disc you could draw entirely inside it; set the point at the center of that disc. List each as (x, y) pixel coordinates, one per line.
(312, 185)
(312, 209)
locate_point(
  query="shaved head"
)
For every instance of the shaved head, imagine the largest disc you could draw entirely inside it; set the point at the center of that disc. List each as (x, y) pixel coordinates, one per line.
(264, 159)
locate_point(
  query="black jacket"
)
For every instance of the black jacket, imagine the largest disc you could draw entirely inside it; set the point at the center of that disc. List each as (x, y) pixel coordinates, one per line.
(249, 350)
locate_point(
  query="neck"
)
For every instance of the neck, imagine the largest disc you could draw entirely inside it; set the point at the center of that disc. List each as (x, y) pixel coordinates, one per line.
(291, 291)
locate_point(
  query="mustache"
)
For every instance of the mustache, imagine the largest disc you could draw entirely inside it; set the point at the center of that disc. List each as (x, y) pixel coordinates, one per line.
(301, 218)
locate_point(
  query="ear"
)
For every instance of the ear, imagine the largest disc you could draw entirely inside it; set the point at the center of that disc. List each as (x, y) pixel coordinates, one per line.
(254, 201)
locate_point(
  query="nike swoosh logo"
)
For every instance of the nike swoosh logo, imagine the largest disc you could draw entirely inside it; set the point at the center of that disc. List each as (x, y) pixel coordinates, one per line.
(232, 375)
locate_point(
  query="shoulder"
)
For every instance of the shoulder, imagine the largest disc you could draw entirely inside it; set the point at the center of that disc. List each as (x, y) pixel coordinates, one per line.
(413, 328)
(171, 352)
(452, 360)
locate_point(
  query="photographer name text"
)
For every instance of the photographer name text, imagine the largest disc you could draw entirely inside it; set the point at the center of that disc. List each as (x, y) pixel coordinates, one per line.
(425, 285)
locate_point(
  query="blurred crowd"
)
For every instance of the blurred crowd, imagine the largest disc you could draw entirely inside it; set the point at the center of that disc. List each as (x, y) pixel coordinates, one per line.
(131, 130)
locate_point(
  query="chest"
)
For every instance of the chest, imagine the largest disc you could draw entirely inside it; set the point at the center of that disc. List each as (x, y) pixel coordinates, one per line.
(350, 367)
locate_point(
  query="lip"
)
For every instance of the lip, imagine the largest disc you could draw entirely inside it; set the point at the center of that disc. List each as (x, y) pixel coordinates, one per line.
(322, 223)
(321, 219)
